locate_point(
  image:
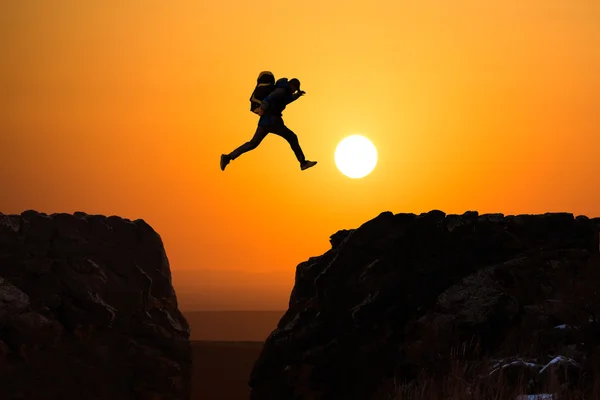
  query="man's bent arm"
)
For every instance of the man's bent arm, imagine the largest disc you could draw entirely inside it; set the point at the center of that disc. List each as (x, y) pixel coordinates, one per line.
(275, 95)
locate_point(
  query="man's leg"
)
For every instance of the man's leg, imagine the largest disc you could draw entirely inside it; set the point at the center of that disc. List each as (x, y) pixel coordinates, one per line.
(259, 135)
(281, 130)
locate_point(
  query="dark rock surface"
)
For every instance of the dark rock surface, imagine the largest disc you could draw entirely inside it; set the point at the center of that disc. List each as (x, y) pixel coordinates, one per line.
(87, 311)
(400, 295)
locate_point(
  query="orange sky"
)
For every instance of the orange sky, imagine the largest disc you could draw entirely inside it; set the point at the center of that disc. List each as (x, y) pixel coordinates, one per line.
(124, 107)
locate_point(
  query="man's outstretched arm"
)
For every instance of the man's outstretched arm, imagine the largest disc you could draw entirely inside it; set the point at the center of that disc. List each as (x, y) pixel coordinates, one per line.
(296, 96)
(285, 98)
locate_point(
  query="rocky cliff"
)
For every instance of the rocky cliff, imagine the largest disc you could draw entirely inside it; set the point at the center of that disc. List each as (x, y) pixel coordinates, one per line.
(441, 306)
(87, 311)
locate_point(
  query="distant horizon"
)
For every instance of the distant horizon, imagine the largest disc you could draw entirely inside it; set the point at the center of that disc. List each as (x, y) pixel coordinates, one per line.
(232, 325)
(226, 311)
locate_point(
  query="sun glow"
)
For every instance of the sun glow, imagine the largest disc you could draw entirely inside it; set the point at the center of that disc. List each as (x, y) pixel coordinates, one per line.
(356, 156)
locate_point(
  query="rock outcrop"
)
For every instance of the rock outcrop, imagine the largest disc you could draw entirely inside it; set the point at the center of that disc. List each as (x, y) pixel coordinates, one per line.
(87, 311)
(407, 296)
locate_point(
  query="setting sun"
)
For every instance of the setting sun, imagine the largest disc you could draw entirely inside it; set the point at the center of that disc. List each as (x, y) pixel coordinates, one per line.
(356, 156)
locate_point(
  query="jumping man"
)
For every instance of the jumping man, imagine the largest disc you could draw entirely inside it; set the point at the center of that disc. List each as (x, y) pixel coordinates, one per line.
(271, 121)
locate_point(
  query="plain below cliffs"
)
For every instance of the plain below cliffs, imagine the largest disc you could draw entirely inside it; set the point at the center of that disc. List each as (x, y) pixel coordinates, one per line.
(88, 311)
(406, 299)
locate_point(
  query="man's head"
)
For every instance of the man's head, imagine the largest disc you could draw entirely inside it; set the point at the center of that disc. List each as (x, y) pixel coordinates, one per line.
(294, 84)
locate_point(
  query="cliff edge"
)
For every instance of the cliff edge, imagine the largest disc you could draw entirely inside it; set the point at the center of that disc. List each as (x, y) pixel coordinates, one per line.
(450, 304)
(88, 311)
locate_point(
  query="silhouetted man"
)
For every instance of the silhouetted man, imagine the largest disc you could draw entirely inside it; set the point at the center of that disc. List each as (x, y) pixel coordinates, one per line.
(271, 121)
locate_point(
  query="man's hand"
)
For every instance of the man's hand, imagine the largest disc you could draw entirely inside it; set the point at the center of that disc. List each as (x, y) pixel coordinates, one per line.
(261, 111)
(301, 93)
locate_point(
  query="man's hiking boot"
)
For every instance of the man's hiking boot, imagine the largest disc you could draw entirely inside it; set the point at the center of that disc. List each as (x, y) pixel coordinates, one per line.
(307, 164)
(224, 161)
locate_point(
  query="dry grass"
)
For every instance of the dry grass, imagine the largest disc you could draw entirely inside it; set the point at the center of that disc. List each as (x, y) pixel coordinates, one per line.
(455, 387)
(464, 372)
(465, 375)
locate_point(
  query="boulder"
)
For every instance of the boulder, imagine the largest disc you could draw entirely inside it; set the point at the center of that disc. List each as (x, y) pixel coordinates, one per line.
(88, 311)
(408, 295)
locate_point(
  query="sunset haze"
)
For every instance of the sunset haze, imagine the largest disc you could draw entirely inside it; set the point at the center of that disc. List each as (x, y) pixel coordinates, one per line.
(124, 108)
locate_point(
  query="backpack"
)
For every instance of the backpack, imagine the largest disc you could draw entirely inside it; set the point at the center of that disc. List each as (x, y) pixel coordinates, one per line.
(265, 84)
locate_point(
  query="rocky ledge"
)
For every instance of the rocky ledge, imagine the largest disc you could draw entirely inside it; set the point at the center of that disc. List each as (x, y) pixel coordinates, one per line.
(87, 311)
(442, 306)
